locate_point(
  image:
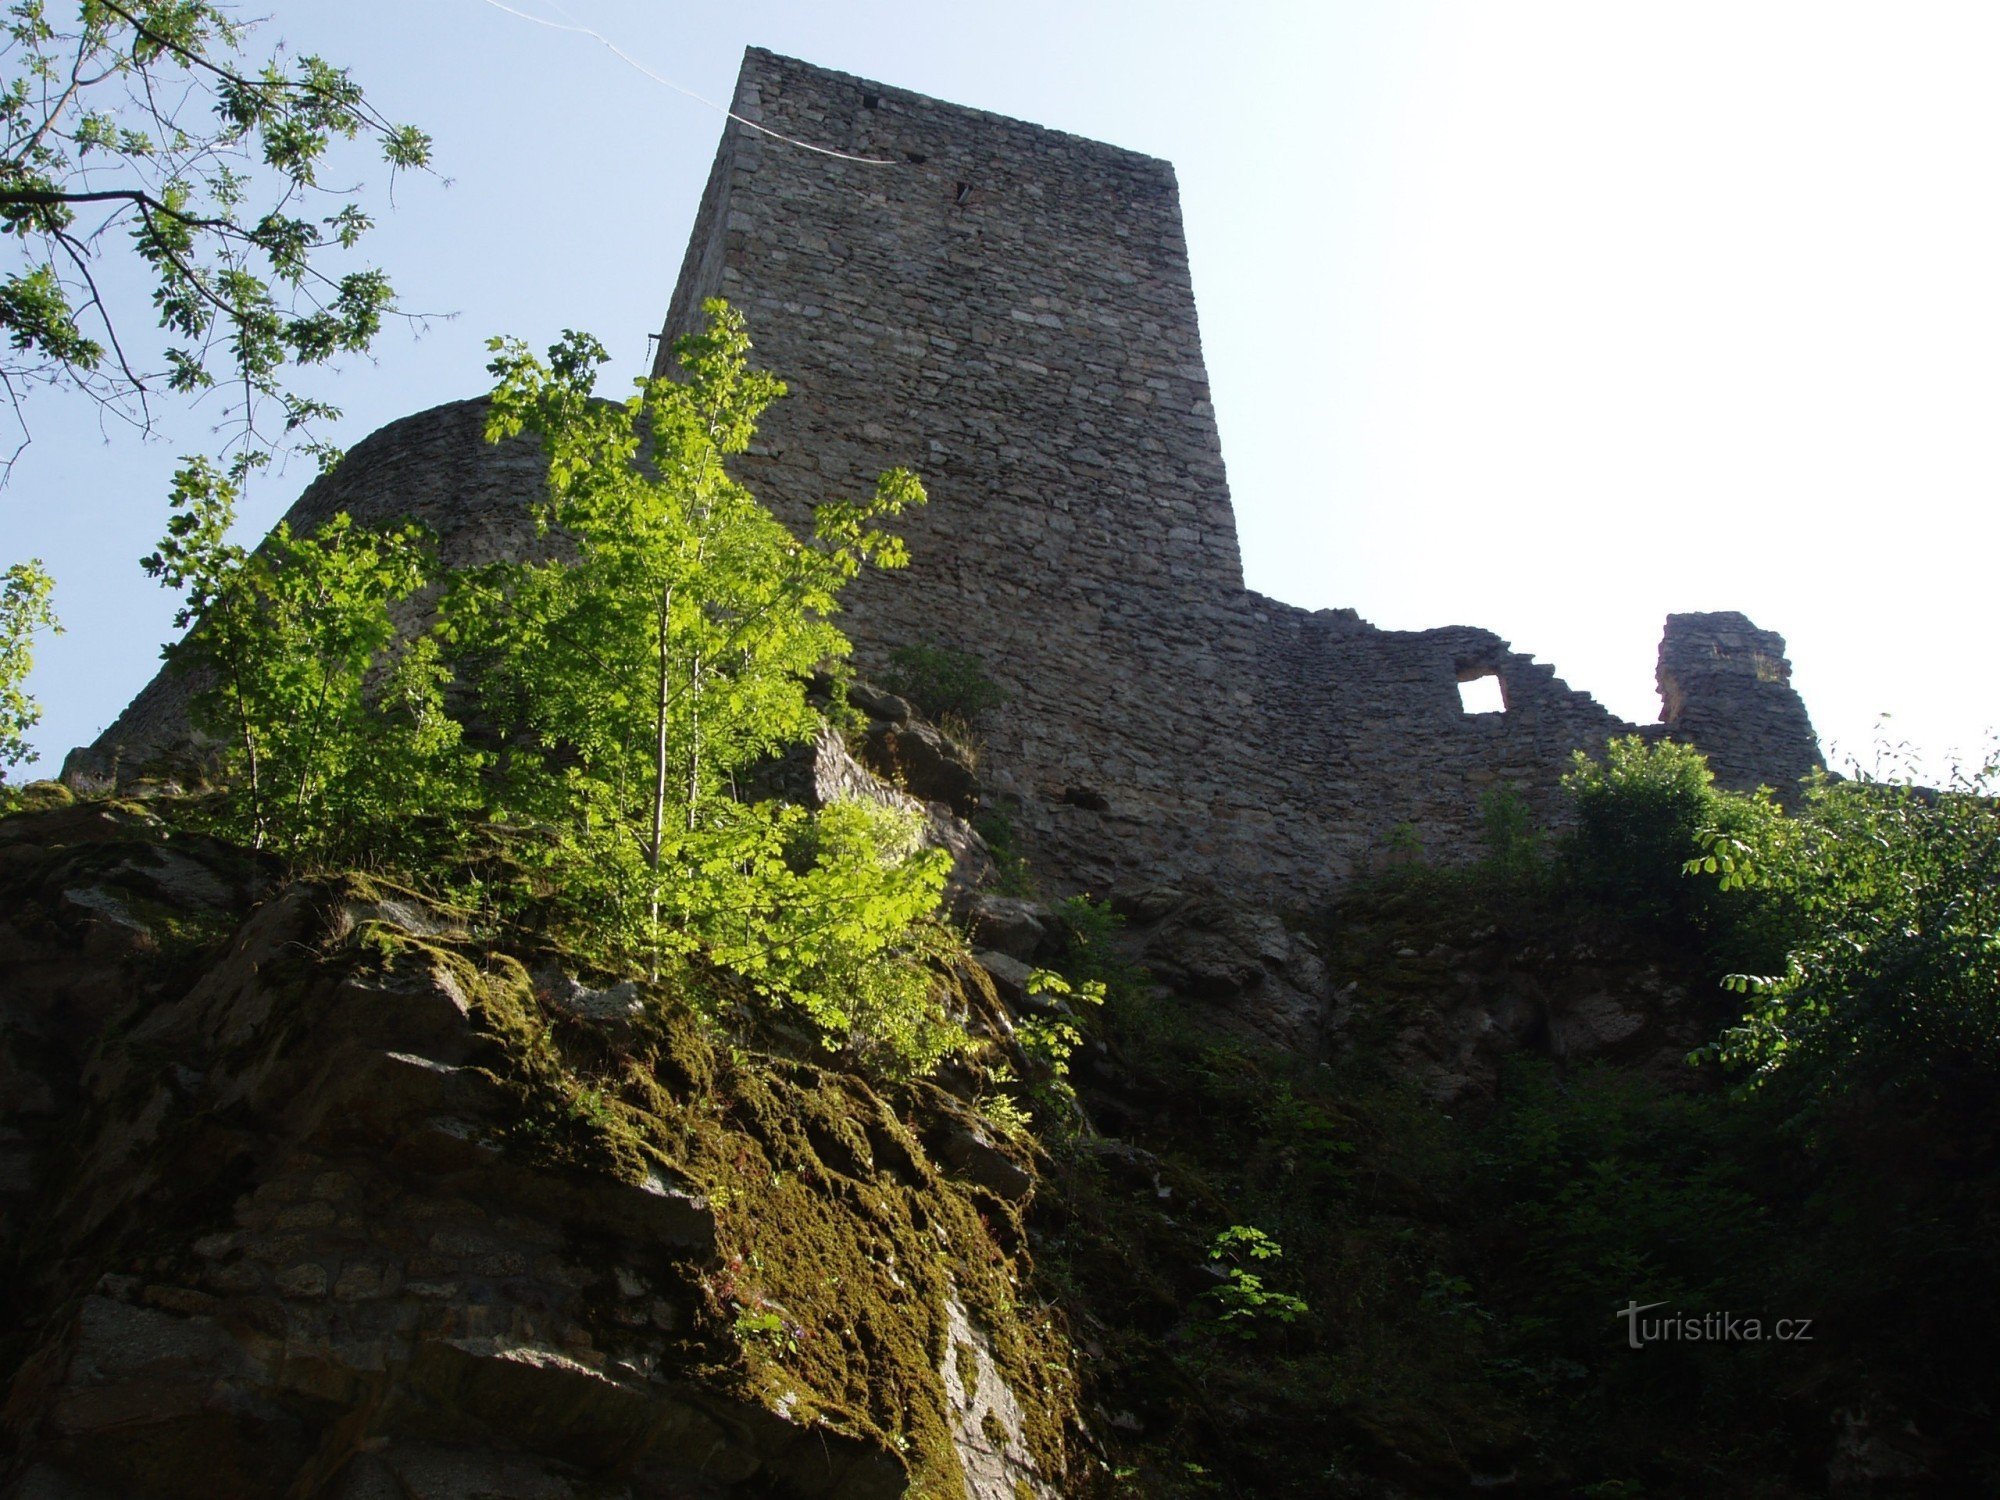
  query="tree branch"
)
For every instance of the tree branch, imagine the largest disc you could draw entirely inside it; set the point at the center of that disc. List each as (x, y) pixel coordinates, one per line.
(49, 197)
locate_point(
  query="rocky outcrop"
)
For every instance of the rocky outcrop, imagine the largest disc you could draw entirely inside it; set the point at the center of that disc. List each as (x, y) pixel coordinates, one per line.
(339, 1200)
(1255, 974)
(1443, 996)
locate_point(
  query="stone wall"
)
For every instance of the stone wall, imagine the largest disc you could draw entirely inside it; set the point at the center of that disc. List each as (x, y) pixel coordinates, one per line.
(435, 468)
(1725, 685)
(1008, 311)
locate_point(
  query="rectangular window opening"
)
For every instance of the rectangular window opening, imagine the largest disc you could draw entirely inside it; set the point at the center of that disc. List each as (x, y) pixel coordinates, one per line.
(1482, 694)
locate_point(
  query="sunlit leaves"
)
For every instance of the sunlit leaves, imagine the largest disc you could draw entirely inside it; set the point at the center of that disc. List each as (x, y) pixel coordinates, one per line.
(25, 612)
(645, 674)
(141, 126)
(330, 735)
(1892, 977)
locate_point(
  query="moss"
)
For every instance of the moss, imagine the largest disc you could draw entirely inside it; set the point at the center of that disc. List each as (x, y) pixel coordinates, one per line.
(839, 1242)
(42, 796)
(966, 1361)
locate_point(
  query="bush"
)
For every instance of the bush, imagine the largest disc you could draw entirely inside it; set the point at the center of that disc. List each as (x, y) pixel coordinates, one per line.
(943, 682)
(1641, 817)
(1892, 977)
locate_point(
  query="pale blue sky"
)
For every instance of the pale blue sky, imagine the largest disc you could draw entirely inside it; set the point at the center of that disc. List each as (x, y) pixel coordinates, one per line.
(1545, 317)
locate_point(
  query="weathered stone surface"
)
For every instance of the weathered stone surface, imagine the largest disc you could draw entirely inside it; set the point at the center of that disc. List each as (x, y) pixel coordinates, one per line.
(1256, 972)
(1013, 925)
(826, 770)
(343, 1267)
(1008, 310)
(877, 704)
(988, 1421)
(615, 1007)
(1726, 686)
(1461, 1009)
(975, 1155)
(1009, 975)
(923, 762)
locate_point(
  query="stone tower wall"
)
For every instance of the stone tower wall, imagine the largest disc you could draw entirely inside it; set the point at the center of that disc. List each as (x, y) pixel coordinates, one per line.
(1008, 311)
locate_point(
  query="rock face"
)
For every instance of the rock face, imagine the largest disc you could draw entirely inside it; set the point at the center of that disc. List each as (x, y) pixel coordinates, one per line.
(1256, 974)
(337, 1202)
(1008, 310)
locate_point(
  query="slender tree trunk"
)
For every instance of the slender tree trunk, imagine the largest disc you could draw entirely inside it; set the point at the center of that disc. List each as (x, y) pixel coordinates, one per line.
(664, 686)
(694, 738)
(250, 751)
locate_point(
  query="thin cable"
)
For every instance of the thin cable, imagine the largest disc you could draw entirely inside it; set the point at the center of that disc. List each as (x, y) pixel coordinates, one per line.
(633, 62)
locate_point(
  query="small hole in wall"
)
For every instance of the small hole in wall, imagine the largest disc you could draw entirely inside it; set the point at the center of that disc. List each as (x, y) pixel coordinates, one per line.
(915, 158)
(871, 101)
(1482, 694)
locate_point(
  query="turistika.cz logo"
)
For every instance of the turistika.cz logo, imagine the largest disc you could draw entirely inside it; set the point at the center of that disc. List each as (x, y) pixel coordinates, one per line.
(1708, 1328)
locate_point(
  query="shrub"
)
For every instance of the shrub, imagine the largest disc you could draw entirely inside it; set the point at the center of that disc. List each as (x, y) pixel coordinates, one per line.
(943, 682)
(1892, 976)
(1245, 1300)
(1641, 818)
(331, 738)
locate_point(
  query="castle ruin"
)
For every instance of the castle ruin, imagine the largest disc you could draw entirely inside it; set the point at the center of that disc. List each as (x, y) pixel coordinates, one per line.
(1007, 310)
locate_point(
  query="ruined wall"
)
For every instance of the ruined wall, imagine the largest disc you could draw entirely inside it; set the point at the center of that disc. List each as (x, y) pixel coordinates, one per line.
(1725, 685)
(1008, 311)
(435, 467)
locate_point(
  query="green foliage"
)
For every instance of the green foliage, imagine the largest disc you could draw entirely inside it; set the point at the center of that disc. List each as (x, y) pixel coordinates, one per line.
(766, 1328)
(1891, 979)
(835, 916)
(25, 612)
(1015, 878)
(1641, 816)
(944, 682)
(1052, 1039)
(1239, 1240)
(143, 128)
(1246, 1303)
(1090, 955)
(333, 744)
(1514, 852)
(1615, 1189)
(638, 678)
(1638, 814)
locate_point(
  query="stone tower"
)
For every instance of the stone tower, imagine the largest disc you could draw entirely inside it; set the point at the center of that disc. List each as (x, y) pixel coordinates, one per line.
(1008, 311)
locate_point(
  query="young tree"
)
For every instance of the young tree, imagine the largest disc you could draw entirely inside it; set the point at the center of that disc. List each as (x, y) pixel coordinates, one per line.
(24, 612)
(332, 737)
(640, 677)
(141, 129)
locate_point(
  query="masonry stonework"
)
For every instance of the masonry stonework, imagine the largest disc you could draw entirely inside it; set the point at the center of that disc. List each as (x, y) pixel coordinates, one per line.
(1008, 311)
